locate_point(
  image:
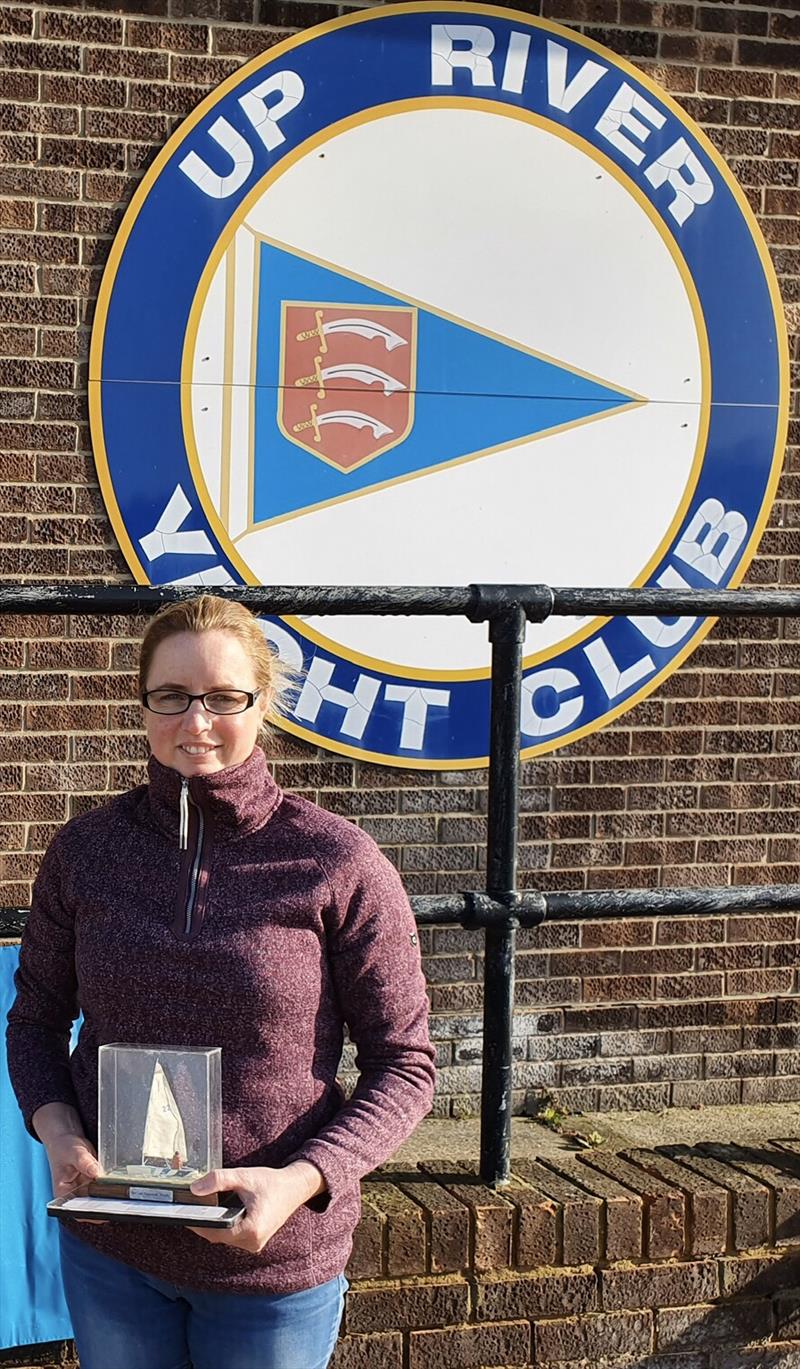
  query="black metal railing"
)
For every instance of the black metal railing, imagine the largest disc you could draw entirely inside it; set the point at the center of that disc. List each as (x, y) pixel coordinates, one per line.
(501, 908)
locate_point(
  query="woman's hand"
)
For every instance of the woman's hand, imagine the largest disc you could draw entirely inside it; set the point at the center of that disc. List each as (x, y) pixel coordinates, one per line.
(72, 1158)
(270, 1196)
(73, 1164)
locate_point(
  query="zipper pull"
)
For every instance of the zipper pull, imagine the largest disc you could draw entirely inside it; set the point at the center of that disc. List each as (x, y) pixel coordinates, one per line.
(183, 824)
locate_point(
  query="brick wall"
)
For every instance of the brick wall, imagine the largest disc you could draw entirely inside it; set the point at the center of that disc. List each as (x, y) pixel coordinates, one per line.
(698, 785)
(681, 1258)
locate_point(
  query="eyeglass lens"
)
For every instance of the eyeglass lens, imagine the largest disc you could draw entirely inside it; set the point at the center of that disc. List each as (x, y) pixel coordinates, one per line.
(219, 701)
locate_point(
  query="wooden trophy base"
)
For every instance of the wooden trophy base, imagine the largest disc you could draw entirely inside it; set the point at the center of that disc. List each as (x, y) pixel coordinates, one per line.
(149, 1190)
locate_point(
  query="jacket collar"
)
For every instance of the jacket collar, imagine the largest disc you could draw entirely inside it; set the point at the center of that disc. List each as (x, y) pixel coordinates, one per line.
(236, 801)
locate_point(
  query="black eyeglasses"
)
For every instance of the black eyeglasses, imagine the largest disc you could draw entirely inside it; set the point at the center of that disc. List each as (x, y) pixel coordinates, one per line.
(216, 701)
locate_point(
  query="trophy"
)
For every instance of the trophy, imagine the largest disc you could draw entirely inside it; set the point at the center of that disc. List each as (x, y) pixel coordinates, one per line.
(159, 1129)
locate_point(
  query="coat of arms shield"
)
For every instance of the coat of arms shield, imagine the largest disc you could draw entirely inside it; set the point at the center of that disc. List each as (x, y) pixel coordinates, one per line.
(347, 379)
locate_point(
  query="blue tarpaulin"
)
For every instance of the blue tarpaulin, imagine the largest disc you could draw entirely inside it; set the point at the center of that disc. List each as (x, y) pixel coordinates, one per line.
(32, 1306)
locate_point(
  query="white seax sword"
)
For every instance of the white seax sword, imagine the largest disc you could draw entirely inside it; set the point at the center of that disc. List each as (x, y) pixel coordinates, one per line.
(368, 328)
(367, 375)
(164, 1134)
(355, 420)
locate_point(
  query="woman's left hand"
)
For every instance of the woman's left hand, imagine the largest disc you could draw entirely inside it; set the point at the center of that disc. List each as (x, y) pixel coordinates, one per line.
(270, 1196)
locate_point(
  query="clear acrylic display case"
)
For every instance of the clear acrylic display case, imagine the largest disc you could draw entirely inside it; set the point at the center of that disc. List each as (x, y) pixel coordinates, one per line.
(159, 1129)
(159, 1115)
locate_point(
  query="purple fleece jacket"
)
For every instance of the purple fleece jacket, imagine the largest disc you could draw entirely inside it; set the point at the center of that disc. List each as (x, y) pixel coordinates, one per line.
(279, 923)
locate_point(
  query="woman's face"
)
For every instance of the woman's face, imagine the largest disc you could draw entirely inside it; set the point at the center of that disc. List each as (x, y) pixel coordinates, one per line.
(197, 742)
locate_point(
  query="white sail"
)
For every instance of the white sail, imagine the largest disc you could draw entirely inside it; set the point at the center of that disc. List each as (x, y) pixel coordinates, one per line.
(164, 1136)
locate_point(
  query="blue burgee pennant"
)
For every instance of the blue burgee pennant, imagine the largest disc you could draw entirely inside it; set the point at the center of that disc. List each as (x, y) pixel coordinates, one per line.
(356, 388)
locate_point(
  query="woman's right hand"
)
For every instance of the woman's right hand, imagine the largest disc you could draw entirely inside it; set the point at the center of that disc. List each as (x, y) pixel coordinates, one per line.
(72, 1157)
(73, 1164)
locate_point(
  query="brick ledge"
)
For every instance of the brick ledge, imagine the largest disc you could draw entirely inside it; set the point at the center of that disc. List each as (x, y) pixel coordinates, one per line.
(681, 1257)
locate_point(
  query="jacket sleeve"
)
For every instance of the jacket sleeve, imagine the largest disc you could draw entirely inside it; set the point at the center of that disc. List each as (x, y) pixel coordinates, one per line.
(41, 1016)
(374, 957)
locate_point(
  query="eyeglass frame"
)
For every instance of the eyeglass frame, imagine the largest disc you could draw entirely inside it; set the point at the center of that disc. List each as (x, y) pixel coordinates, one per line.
(251, 696)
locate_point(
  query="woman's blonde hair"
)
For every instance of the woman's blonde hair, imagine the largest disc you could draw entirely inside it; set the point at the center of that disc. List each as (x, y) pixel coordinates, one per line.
(208, 613)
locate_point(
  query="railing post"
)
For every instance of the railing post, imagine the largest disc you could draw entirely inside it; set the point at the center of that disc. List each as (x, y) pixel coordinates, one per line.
(507, 636)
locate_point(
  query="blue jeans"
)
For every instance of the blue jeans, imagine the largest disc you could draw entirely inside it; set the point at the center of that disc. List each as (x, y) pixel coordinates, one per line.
(124, 1319)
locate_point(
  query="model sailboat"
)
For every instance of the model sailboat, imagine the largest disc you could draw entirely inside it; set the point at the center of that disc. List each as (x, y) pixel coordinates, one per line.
(164, 1151)
(164, 1135)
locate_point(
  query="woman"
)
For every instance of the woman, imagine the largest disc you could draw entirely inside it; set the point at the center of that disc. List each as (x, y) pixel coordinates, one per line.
(209, 908)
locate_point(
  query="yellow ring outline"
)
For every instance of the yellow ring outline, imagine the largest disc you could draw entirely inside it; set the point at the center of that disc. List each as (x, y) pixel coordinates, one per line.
(619, 63)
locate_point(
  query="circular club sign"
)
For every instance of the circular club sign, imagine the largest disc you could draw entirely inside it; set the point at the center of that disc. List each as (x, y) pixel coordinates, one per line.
(435, 295)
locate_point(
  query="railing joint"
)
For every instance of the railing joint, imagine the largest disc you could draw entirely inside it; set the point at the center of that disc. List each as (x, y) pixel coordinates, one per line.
(492, 602)
(490, 910)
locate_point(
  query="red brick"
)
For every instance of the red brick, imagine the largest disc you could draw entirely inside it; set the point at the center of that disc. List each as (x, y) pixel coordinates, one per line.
(408, 1305)
(40, 56)
(33, 562)
(623, 1234)
(769, 1274)
(21, 85)
(770, 55)
(780, 1174)
(710, 1093)
(243, 42)
(40, 834)
(787, 87)
(543, 1294)
(40, 807)
(505, 1343)
(11, 778)
(751, 1010)
(690, 1328)
(12, 836)
(578, 1229)
(448, 1222)
(69, 778)
(608, 1335)
(177, 37)
(126, 62)
(366, 1259)
(49, 747)
(404, 1228)
(664, 1206)
(537, 1227)
(492, 1216)
(750, 1200)
(689, 930)
(13, 404)
(707, 1202)
(80, 28)
(366, 1352)
(164, 97)
(128, 747)
(17, 342)
(727, 20)
(16, 896)
(82, 153)
(689, 986)
(633, 933)
(201, 70)
(759, 981)
(735, 81)
(291, 13)
(16, 19)
(671, 1285)
(38, 118)
(781, 1090)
